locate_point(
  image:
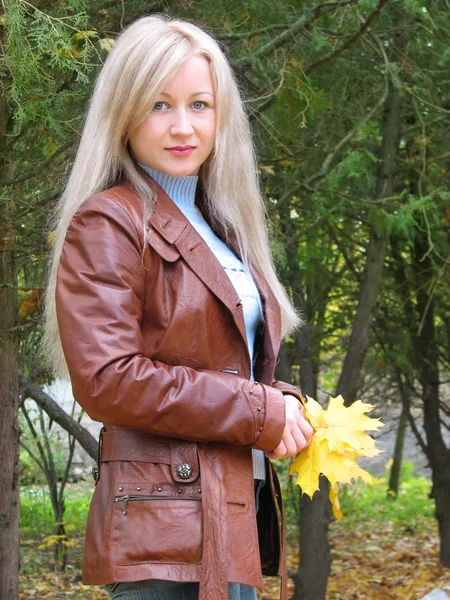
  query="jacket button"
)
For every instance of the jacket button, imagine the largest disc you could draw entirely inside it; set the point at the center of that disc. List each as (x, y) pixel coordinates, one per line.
(259, 408)
(261, 428)
(184, 471)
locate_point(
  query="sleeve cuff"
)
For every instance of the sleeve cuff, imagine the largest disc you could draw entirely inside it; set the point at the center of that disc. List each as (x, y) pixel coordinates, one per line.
(287, 388)
(271, 431)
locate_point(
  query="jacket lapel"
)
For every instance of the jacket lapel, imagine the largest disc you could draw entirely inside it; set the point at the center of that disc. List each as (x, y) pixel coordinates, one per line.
(272, 314)
(176, 229)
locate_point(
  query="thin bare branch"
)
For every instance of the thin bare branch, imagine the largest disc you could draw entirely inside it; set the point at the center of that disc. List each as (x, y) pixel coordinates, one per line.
(54, 411)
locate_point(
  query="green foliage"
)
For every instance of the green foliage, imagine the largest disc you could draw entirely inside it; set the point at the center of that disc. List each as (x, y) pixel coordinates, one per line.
(365, 506)
(45, 56)
(368, 508)
(415, 7)
(358, 167)
(30, 473)
(279, 253)
(36, 515)
(297, 103)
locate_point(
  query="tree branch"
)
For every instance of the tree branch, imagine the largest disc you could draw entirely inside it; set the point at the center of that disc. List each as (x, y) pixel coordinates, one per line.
(249, 34)
(349, 42)
(318, 221)
(55, 412)
(326, 165)
(33, 456)
(300, 24)
(42, 167)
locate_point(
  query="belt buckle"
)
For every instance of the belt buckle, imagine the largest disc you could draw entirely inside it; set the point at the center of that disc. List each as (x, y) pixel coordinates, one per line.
(96, 468)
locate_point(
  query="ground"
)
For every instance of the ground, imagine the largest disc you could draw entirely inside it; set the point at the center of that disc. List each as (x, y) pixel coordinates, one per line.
(383, 549)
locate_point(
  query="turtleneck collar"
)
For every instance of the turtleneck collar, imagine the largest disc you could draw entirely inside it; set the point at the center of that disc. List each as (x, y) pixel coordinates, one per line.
(180, 189)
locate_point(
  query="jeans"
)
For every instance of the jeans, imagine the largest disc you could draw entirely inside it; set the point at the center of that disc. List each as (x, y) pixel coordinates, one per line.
(158, 589)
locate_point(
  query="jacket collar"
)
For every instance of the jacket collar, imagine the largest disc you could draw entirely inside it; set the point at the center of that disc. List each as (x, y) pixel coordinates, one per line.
(177, 230)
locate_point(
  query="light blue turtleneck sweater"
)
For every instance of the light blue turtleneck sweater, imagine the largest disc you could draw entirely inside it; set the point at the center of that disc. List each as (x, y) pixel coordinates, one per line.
(182, 191)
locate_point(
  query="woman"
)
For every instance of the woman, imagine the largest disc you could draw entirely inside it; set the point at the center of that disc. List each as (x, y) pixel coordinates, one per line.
(164, 308)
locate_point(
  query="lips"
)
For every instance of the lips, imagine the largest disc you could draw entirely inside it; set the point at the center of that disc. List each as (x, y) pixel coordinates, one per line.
(181, 150)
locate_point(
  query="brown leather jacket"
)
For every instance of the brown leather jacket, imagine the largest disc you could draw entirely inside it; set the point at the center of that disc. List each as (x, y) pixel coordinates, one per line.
(156, 348)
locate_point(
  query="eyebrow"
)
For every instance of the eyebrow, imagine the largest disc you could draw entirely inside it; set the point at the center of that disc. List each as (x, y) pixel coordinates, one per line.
(194, 94)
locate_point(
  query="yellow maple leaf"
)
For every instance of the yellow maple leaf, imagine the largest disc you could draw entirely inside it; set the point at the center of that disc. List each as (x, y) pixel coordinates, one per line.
(309, 464)
(339, 438)
(335, 502)
(345, 426)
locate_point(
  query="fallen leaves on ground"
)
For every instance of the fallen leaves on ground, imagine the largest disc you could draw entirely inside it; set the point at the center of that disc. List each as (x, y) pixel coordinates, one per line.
(378, 565)
(37, 581)
(386, 564)
(339, 439)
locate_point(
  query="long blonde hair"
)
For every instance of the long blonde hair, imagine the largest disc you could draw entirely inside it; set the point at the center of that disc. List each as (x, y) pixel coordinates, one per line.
(142, 60)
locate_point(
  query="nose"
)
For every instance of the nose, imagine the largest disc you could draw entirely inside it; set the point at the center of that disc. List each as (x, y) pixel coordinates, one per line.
(181, 124)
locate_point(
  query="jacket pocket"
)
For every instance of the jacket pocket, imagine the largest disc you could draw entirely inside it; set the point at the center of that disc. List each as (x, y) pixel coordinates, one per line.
(148, 527)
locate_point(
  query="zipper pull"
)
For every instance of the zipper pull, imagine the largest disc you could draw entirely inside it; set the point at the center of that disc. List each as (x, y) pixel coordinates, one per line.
(125, 504)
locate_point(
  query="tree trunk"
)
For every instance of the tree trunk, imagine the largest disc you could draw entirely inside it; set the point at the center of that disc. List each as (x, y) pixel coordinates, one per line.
(394, 478)
(426, 345)
(9, 424)
(376, 250)
(314, 515)
(315, 556)
(283, 370)
(359, 338)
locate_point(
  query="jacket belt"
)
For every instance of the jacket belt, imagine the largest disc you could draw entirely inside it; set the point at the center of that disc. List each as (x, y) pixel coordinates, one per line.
(126, 445)
(131, 446)
(283, 554)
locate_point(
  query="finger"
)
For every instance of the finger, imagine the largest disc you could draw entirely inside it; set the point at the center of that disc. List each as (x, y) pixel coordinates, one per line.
(279, 451)
(299, 440)
(290, 444)
(306, 428)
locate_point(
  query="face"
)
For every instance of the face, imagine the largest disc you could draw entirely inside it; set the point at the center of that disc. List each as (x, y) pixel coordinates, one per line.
(178, 135)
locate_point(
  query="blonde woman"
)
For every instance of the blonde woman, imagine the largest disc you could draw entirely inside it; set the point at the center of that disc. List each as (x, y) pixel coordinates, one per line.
(164, 309)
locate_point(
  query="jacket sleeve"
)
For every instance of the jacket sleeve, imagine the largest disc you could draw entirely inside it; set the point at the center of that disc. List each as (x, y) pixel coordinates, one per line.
(99, 298)
(287, 388)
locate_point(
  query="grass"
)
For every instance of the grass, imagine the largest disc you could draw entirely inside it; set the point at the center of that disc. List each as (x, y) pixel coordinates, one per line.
(36, 514)
(363, 505)
(36, 529)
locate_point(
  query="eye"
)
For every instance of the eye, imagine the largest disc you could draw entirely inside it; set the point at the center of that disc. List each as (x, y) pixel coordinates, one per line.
(158, 106)
(198, 104)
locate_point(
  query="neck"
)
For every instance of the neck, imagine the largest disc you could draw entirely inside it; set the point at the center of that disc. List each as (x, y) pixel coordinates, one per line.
(180, 189)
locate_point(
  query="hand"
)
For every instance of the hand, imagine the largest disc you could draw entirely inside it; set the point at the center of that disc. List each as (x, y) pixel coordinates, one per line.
(297, 432)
